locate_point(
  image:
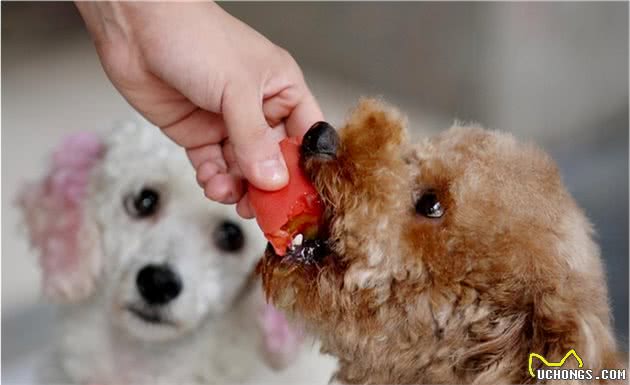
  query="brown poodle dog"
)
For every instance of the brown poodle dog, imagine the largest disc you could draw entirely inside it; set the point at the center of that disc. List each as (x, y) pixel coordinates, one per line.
(447, 261)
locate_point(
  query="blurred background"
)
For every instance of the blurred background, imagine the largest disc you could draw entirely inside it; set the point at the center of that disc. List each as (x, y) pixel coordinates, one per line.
(554, 73)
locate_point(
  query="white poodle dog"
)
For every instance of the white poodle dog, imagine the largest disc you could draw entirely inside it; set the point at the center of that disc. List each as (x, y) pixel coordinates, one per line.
(154, 282)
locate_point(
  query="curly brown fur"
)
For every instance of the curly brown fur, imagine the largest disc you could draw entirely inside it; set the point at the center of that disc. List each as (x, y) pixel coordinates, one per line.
(511, 267)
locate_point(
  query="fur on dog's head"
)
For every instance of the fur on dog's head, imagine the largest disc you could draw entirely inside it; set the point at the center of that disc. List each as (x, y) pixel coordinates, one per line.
(450, 260)
(120, 220)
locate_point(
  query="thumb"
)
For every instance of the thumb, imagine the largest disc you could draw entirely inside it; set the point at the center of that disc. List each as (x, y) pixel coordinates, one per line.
(255, 145)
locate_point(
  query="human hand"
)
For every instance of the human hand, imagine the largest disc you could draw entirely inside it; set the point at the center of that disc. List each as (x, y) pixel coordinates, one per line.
(211, 83)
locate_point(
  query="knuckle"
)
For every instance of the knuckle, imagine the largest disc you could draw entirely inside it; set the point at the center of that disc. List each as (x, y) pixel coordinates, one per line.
(286, 61)
(282, 54)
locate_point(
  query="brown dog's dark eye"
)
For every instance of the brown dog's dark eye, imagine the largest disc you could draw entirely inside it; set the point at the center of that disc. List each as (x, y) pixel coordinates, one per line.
(144, 204)
(228, 236)
(429, 205)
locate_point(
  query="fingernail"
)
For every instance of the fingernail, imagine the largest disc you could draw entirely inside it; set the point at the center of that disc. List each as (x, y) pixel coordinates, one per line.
(273, 171)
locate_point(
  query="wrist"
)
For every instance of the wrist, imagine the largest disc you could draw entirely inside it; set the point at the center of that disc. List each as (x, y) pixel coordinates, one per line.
(105, 21)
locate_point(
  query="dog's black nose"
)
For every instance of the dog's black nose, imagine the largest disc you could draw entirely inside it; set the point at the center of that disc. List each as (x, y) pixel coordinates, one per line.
(158, 284)
(320, 140)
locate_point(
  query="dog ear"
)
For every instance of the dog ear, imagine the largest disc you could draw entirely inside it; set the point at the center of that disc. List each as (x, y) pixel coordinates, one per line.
(54, 213)
(559, 326)
(570, 300)
(281, 340)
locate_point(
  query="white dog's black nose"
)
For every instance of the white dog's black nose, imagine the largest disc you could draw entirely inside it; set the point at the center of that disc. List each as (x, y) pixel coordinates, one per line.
(321, 140)
(158, 284)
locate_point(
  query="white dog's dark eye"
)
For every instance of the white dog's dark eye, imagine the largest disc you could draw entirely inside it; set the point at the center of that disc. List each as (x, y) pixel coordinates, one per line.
(228, 236)
(144, 204)
(429, 205)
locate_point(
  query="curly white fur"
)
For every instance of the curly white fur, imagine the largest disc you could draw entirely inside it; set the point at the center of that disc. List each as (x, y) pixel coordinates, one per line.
(212, 330)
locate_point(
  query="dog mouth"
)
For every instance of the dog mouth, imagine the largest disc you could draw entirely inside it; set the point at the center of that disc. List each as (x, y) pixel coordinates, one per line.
(304, 252)
(148, 315)
(291, 280)
(303, 258)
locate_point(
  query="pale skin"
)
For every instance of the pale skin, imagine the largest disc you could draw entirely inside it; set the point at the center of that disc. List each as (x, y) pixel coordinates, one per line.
(212, 84)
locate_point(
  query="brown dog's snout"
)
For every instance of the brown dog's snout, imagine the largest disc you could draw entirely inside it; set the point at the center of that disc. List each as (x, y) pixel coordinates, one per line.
(321, 140)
